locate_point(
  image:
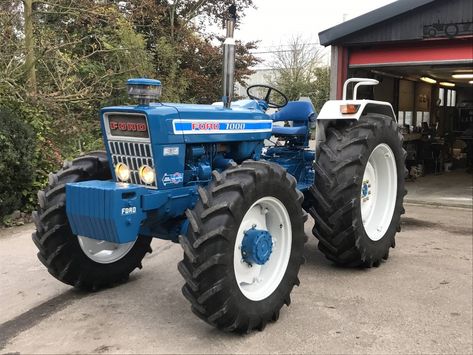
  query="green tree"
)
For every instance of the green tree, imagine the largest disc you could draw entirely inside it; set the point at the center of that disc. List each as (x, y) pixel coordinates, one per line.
(81, 54)
(188, 59)
(84, 53)
(297, 70)
(321, 92)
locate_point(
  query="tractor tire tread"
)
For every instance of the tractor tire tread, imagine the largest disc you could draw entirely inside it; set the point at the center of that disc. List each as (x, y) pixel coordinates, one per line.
(59, 250)
(206, 248)
(339, 170)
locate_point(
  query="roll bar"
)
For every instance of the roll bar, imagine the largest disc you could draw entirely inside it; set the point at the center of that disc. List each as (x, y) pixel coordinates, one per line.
(360, 82)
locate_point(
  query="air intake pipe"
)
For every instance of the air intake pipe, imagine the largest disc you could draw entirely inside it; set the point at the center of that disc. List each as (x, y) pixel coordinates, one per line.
(229, 58)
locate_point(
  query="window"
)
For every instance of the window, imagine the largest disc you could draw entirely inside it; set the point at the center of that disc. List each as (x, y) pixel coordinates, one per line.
(451, 98)
(441, 96)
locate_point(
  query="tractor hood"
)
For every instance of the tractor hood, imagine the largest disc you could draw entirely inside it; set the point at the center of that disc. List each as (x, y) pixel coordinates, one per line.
(243, 109)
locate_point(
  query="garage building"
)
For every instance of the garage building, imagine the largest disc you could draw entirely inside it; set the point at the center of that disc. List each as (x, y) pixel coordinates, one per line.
(421, 51)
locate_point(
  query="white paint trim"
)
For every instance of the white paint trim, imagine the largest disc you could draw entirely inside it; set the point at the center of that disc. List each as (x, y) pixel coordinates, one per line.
(221, 131)
(331, 109)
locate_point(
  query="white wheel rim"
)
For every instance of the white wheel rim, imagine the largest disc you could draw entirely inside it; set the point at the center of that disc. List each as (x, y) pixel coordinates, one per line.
(103, 252)
(378, 192)
(257, 282)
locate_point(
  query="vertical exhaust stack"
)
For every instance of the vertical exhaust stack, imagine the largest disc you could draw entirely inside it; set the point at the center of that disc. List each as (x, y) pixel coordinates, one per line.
(229, 58)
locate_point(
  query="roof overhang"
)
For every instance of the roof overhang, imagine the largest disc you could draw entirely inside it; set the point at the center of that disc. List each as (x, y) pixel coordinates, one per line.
(333, 34)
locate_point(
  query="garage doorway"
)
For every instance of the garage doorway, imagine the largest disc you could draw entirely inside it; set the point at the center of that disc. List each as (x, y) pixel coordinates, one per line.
(434, 104)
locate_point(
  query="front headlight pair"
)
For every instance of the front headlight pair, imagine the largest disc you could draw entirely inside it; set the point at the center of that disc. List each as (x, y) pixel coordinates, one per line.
(146, 173)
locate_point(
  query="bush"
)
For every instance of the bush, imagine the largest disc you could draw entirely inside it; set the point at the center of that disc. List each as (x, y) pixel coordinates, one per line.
(17, 170)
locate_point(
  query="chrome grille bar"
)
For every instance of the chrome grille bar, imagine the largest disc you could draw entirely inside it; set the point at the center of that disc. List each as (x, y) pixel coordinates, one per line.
(134, 155)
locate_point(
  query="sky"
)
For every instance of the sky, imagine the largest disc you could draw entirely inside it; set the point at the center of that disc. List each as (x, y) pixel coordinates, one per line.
(274, 22)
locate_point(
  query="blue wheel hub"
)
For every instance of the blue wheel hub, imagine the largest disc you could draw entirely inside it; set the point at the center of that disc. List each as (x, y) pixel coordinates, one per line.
(364, 190)
(257, 246)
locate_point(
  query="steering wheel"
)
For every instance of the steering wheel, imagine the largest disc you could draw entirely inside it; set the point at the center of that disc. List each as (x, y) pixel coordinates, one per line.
(267, 96)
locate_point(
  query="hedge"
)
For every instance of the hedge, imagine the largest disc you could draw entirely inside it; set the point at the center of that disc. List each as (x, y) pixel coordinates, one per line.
(17, 170)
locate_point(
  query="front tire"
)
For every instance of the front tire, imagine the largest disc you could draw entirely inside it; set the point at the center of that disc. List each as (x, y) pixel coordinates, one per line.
(224, 290)
(357, 196)
(70, 258)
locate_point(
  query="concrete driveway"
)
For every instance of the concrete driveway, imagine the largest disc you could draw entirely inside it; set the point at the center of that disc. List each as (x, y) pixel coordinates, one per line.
(420, 301)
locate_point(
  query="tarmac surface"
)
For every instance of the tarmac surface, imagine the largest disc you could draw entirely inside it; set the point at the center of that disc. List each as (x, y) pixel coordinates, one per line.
(419, 301)
(454, 188)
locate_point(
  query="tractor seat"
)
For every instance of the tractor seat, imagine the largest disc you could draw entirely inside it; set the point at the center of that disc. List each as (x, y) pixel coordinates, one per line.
(289, 131)
(299, 112)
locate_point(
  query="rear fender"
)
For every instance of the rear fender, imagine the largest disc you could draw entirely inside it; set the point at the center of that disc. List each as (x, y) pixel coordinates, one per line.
(331, 109)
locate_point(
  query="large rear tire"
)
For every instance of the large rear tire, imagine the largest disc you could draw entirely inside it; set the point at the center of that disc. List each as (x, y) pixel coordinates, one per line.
(357, 196)
(69, 258)
(225, 290)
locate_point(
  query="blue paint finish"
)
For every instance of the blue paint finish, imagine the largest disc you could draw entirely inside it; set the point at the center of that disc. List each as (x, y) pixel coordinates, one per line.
(301, 114)
(184, 227)
(290, 131)
(246, 124)
(297, 161)
(173, 202)
(364, 190)
(164, 206)
(159, 120)
(296, 111)
(187, 143)
(169, 165)
(263, 105)
(159, 117)
(257, 246)
(143, 81)
(105, 210)
(248, 111)
(245, 150)
(226, 138)
(222, 163)
(245, 103)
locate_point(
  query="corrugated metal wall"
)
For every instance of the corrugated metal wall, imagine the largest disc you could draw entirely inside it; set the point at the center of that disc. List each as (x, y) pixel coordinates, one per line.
(424, 22)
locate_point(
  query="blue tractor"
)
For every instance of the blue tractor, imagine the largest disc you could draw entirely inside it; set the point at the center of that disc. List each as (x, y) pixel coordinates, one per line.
(209, 178)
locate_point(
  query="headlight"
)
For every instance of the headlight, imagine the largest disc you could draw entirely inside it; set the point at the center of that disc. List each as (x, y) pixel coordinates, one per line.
(147, 174)
(122, 171)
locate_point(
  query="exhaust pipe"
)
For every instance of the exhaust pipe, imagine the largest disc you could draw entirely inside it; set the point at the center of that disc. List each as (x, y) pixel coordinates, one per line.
(229, 58)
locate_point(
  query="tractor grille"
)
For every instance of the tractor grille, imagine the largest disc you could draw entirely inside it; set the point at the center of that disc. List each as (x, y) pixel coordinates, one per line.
(134, 155)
